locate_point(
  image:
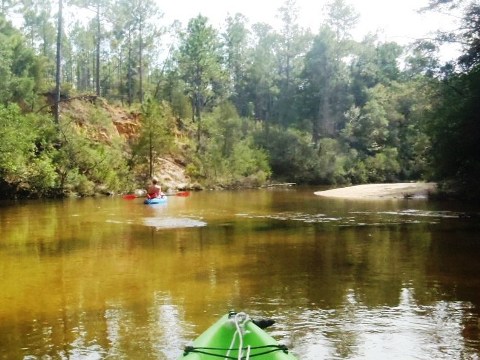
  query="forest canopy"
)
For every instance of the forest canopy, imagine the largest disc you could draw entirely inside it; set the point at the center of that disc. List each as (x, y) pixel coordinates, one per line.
(240, 105)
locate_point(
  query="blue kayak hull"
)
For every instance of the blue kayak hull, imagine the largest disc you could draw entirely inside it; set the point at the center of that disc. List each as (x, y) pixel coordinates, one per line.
(159, 200)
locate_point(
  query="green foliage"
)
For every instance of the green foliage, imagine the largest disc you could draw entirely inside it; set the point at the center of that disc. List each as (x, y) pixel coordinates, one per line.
(362, 117)
(42, 175)
(247, 161)
(373, 64)
(133, 38)
(383, 167)
(423, 61)
(25, 157)
(199, 65)
(261, 91)
(83, 163)
(326, 82)
(16, 144)
(290, 47)
(469, 36)
(18, 66)
(235, 43)
(229, 156)
(455, 131)
(295, 158)
(156, 136)
(173, 91)
(389, 126)
(331, 161)
(356, 171)
(75, 182)
(367, 130)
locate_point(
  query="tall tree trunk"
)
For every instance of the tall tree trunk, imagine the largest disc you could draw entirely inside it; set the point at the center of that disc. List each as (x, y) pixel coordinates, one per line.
(150, 153)
(140, 60)
(97, 67)
(129, 64)
(198, 119)
(120, 78)
(58, 65)
(327, 120)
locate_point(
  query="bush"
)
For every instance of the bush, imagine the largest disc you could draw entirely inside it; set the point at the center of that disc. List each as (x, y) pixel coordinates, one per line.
(294, 157)
(42, 175)
(17, 144)
(383, 166)
(229, 155)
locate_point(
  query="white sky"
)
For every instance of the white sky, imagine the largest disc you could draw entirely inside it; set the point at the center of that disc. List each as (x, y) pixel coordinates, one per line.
(395, 20)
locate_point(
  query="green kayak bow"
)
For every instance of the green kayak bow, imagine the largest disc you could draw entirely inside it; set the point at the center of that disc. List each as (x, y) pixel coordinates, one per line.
(236, 336)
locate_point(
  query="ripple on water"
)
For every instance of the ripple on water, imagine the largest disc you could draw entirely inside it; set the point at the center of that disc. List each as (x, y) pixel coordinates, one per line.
(295, 216)
(361, 218)
(415, 212)
(355, 330)
(172, 223)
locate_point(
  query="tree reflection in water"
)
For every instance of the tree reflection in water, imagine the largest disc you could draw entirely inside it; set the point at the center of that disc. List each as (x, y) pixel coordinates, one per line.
(107, 278)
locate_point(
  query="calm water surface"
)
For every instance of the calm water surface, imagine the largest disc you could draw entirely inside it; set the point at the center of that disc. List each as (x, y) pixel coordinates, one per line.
(112, 278)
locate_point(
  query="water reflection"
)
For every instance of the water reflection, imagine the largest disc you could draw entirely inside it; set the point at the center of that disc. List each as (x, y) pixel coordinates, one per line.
(356, 331)
(173, 223)
(107, 278)
(362, 218)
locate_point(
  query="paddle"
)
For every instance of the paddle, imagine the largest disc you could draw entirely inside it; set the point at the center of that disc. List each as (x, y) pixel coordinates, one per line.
(129, 196)
(134, 196)
(179, 193)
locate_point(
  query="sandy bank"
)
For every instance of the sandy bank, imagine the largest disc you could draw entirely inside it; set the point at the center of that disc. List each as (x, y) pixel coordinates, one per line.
(381, 191)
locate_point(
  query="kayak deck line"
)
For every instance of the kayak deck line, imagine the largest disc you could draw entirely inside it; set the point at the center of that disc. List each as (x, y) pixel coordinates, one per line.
(204, 350)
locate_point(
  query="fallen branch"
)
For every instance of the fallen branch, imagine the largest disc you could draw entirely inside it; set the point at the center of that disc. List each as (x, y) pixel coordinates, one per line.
(280, 184)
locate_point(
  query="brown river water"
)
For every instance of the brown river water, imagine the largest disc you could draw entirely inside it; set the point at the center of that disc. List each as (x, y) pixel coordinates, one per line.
(108, 278)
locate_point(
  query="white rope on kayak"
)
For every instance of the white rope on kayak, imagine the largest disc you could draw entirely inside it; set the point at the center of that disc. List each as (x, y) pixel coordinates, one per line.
(227, 355)
(239, 320)
(248, 353)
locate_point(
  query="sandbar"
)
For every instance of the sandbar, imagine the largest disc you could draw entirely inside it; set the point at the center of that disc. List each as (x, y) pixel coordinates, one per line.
(414, 190)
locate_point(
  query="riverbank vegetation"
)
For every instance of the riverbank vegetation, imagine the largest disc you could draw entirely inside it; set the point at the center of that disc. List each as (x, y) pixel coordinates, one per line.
(236, 106)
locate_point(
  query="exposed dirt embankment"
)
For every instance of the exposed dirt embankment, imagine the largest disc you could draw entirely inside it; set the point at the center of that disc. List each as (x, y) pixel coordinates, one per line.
(125, 123)
(381, 191)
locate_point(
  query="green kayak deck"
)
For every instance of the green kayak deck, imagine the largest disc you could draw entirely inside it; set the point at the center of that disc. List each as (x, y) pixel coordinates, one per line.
(236, 336)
